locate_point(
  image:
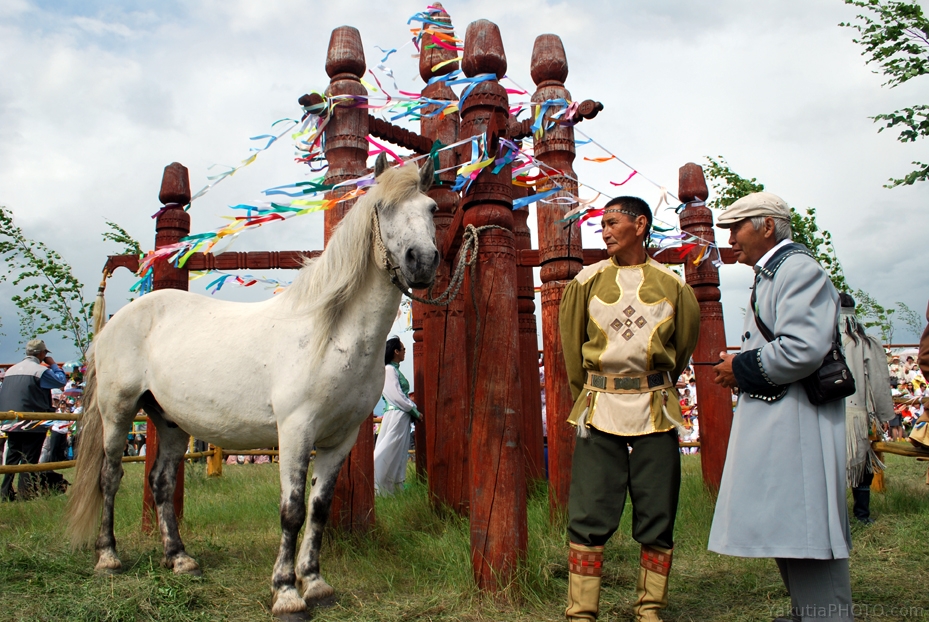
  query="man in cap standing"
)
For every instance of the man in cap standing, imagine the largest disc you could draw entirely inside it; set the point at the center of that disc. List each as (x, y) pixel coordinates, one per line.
(782, 493)
(27, 387)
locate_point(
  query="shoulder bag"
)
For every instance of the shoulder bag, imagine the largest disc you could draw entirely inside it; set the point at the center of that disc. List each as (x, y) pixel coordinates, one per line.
(833, 380)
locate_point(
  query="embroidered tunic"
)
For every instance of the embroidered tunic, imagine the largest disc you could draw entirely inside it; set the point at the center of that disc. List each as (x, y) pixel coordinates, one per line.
(627, 320)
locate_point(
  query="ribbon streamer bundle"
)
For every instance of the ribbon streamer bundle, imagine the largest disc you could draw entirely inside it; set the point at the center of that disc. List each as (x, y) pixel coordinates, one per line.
(306, 197)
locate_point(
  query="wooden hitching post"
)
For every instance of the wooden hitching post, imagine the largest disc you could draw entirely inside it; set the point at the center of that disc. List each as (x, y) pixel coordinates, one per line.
(498, 482)
(444, 394)
(346, 149)
(561, 257)
(172, 224)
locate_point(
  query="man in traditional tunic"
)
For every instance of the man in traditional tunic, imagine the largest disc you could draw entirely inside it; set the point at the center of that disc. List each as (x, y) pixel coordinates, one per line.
(782, 493)
(628, 328)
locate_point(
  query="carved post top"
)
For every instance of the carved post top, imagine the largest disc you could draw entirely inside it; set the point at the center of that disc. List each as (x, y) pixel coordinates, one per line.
(692, 183)
(428, 58)
(175, 185)
(549, 61)
(345, 54)
(483, 50)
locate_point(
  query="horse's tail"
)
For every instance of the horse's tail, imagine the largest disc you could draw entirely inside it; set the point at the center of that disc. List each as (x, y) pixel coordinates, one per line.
(99, 313)
(86, 498)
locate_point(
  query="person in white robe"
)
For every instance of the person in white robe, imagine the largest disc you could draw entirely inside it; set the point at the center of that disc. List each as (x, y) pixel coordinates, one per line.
(391, 449)
(782, 493)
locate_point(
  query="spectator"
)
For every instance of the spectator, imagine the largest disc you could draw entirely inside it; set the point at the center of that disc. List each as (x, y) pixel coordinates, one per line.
(870, 405)
(896, 372)
(28, 387)
(391, 451)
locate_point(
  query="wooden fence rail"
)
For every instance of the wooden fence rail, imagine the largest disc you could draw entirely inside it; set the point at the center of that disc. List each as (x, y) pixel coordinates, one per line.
(11, 415)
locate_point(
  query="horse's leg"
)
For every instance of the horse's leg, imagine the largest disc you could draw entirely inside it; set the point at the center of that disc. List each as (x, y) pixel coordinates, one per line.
(114, 441)
(172, 443)
(326, 469)
(295, 449)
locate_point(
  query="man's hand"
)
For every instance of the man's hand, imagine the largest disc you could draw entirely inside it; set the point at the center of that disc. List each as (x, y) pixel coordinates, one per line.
(49, 360)
(724, 375)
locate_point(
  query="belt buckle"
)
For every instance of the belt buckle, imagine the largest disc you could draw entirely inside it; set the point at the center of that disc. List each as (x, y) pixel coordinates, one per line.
(626, 384)
(598, 381)
(655, 380)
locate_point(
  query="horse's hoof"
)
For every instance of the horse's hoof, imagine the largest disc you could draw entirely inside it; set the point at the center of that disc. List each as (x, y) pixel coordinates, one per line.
(300, 616)
(318, 593)
(184, 564)
(108, 564)
(287, 602)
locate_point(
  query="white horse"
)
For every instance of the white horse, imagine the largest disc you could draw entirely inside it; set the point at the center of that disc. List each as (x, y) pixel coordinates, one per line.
(302, 369)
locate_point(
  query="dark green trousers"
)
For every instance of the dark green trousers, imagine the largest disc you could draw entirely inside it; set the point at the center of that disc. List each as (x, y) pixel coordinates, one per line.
(603, 470)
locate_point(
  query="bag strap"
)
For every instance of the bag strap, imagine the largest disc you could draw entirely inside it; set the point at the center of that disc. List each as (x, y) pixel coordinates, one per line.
(766, 332)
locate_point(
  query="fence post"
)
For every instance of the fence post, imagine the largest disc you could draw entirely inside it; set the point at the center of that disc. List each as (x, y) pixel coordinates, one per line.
(214, 464)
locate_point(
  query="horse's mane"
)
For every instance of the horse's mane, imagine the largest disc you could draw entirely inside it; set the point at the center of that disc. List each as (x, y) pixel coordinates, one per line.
(324, 286)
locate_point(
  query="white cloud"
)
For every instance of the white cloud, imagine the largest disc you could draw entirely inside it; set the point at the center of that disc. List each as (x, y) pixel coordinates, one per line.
(100, 27)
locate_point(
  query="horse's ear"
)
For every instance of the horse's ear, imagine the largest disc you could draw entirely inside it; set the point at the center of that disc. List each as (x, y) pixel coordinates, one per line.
(425, 175)
(380, 165)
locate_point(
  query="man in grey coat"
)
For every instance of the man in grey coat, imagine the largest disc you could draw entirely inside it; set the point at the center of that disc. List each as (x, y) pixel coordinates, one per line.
(782, 493)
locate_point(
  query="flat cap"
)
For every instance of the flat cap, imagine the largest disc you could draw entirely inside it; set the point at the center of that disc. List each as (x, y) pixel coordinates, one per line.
(755, 204)
(35, 346)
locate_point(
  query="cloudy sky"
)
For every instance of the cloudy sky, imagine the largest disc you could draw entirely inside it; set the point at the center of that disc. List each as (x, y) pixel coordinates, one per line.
(97, 97)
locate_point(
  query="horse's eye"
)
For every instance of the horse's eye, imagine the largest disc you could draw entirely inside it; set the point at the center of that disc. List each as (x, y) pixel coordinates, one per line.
(432, 210)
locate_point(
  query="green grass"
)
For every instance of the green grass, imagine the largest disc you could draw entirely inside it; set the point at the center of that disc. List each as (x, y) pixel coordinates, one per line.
(415, 564)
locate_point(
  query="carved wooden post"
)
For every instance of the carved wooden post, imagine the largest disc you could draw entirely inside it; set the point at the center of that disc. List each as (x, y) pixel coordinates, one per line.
(560, 257)
(346, 150)
(172, 224)
(528, 351)
(498, 483)
(444, 394)
(715, 401)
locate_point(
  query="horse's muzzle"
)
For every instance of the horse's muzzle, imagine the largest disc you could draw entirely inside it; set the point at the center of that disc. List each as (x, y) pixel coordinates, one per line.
(420, 267)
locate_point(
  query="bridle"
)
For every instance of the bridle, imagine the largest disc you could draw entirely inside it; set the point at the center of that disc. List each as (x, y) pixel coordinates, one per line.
(384, 257)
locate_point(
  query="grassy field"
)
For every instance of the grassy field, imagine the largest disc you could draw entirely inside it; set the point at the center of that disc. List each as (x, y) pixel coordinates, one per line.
(415, 565)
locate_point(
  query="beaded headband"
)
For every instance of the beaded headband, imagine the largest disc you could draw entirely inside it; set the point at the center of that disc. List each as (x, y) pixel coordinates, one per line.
(622, 211)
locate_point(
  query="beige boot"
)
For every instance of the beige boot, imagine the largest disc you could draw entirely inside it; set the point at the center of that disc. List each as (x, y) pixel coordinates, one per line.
(585, 565)
(652, 586)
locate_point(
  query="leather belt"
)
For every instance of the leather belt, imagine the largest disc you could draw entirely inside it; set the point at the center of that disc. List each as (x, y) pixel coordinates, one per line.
(627, 383)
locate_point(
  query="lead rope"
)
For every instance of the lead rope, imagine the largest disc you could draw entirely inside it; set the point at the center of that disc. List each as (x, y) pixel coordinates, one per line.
(467, 258)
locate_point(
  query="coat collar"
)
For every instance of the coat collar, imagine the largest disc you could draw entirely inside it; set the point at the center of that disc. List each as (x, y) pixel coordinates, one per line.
(774, 262)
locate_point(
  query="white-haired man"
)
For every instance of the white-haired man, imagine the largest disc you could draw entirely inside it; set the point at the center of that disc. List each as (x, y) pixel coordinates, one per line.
(782, 493)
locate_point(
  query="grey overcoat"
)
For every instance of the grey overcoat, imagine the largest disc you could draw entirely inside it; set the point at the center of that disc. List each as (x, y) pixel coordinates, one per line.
(783, 485)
